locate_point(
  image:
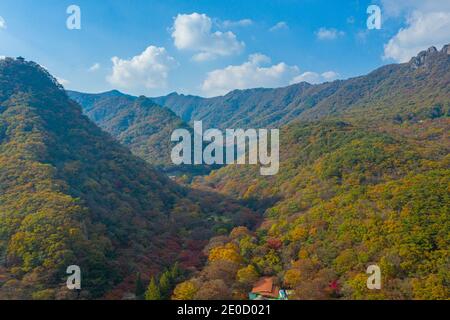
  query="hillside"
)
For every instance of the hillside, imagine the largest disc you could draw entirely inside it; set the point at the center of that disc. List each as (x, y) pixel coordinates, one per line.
(139, 124)
(70, 194)
(368, 187)
(346, 197)
(136, 122)
(395, 92)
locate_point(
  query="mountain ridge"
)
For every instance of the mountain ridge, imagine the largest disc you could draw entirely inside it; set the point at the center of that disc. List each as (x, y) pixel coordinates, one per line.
(136, 122)
(355, 97)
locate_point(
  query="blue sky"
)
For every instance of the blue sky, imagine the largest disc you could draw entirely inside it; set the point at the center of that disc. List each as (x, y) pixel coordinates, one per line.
(210, 47)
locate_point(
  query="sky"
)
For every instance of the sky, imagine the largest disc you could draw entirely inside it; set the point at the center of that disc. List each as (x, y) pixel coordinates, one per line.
(208, 48)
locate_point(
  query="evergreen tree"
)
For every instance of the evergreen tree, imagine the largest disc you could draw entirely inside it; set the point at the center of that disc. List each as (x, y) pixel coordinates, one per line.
(165, 284)
(153, 292)
(140, 288)
(175, 272)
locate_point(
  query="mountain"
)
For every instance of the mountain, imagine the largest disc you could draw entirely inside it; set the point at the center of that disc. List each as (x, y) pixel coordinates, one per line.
(398, 92)
(364, 181)
(394, 93)
(136, 122)
(141, 125)
(185, 106)
(237, 109)
(71, 195)
(347, 196)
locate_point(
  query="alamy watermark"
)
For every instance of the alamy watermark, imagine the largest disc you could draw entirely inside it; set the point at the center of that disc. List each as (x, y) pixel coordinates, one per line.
(374, 20)
(73, 22)
(374, 280)
(74, 279)
(237, 146)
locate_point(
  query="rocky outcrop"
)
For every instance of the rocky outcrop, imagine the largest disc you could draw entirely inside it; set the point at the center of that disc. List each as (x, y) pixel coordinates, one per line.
(424, 58)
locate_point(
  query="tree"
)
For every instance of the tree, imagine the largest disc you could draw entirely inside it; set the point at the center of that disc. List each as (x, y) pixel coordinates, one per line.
(185, 291)
(214, 290)
(140, 288)
(247, 275)
(274, 243)
(228, 252)
(221, 269)
(165, 284)
(175, 272)
(239, 232)
(292, 278)
(153, 292)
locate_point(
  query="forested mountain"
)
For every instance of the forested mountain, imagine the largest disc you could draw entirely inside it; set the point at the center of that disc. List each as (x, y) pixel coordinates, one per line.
(136, 122)
(141, 125)
(369, 187)
(391, 93)
(71, 195)
(364, 179)
(346, 197)
(395, 93)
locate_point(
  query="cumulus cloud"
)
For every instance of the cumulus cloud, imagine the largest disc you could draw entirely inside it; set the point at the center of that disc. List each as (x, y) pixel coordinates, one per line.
(427, 25)
(193, 32)
(329, 34)
(94, 67)
(2, 23)
(330, 75)
(256, 72)
(149, 70)
(279, 26)
(314, 77)
(400, 7)
(237, 23)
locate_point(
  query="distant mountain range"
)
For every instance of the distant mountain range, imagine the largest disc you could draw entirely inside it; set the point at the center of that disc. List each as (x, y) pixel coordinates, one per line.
(137, 122)
(393, 93)
(398, 91)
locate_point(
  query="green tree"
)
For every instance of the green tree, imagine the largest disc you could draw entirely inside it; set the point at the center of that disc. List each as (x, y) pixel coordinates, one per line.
(140, 288)
(153, 292)
(165, 284)
(175, 272)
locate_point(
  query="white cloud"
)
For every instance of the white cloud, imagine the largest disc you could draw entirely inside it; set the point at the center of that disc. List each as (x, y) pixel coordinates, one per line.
(250, 74)
(193, 32)
(279, 26)
(2, 23)
(329, 34)
(2, 57)
(330, 75)
(238, 23)
(62, 81)
(399, 7)
(149, 70)
(423, 30)
(94, 67)
(314, 77)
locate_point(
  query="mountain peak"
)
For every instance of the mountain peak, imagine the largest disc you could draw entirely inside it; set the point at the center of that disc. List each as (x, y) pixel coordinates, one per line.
(26, 76)
(424, 58)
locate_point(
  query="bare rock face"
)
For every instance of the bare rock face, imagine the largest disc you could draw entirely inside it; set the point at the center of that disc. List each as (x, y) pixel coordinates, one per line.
(446, 49)
(422, 58)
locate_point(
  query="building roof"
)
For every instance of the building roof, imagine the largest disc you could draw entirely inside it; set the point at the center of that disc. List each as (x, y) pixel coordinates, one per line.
(266, 288)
